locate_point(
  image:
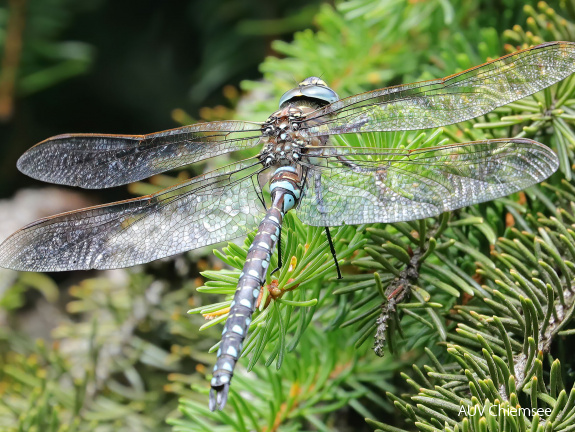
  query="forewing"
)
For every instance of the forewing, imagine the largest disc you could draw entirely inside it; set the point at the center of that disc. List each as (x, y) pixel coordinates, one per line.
(453, 99)
(207, 209)
(100, 161)
(345, 186)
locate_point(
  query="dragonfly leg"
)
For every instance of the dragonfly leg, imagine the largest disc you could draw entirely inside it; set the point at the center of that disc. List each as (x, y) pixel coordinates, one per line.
(219, 397)
(279, 253)
(333, 254)
(258, 190)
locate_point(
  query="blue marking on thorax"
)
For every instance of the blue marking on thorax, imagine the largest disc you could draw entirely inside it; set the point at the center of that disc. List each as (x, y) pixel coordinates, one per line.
(287, 185)
(290, 186)
(289, 202)
(285, 168)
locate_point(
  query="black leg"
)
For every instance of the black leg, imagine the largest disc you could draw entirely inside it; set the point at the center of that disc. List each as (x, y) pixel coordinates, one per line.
(332, 248)
(279, 253)
(258, 190)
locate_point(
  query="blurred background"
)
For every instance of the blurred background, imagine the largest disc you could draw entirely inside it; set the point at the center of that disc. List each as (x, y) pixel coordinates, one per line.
(104, 66)
(116, 351)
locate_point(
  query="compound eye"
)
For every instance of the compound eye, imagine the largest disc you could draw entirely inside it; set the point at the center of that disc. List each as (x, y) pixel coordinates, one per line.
(312, 81)
(320, 92)
(289, 95)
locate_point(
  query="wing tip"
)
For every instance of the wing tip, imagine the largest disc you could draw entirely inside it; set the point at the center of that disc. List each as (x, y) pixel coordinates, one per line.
(554, 45)
(13, 252)
(550, 157)
(23, 164)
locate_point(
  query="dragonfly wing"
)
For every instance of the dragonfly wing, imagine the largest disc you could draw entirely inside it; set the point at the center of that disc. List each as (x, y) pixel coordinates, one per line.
(211, 208)
(453, 99)
(355, 186)
(96, 161)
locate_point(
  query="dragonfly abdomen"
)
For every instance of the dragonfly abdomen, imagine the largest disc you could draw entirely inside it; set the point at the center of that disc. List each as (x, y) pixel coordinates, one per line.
(285, 189)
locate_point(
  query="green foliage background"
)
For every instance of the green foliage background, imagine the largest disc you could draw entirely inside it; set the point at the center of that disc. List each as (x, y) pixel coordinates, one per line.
(487, 314)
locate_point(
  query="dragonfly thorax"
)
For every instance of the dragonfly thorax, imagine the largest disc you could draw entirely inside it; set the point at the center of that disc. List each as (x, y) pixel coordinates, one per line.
(282, 152)
(282, 137)
(281, 123)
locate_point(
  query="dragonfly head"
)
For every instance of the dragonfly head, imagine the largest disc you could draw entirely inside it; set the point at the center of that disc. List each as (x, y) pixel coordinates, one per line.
(312, 88)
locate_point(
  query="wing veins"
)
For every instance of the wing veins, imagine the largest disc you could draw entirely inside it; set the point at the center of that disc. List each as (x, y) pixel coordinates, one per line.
(515, 74)
(117, 219)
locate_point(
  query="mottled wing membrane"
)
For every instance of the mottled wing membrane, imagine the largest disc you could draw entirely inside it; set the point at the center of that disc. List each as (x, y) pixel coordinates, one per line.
(459, 97)
(207, 209)
(100, 161)
(359, 185)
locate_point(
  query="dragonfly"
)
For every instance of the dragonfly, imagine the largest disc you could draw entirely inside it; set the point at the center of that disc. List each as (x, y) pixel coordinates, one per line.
(300, 168)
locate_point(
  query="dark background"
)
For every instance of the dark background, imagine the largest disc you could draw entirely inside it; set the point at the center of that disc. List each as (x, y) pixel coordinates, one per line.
(137, 62)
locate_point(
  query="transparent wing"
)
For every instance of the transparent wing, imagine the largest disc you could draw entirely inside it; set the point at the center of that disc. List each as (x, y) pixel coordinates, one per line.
(357, 185)
(207, 209)
(98, 161)
(453, 99)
